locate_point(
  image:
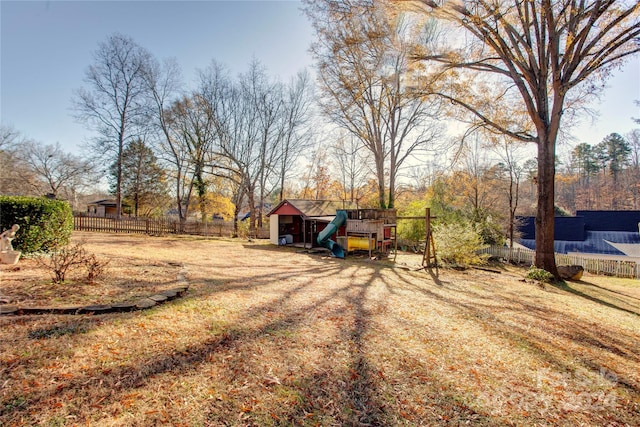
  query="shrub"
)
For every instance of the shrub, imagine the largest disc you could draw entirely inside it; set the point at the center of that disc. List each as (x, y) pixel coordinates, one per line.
(490, 232)
(45, 224)
(95, 267)
(540, 275)
(62, 260)
(412, 232)
(457, 243)
(243, 229)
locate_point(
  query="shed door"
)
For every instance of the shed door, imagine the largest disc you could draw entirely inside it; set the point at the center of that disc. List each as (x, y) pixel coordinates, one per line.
(274, 227)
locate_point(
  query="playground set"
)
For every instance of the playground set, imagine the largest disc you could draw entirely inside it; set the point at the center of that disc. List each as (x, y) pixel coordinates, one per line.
(342, 228)
(372, 230)
(336, 225)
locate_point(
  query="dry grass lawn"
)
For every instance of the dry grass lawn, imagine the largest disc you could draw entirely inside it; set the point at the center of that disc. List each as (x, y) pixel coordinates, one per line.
(270, 336)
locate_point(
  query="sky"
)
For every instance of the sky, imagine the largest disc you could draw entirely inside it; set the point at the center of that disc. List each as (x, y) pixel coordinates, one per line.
(46, 47)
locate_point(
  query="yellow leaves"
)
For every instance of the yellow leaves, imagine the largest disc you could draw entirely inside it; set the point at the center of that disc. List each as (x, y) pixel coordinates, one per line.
(219, 205)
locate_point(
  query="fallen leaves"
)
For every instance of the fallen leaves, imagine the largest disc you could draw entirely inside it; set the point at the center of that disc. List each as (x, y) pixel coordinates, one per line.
(273, 337)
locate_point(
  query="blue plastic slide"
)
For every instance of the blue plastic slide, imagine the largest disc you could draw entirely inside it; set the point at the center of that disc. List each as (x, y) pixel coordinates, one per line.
(324, 240)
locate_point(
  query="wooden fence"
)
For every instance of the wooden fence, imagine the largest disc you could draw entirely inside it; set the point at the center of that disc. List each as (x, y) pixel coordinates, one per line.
(158, 226)
(610, 267)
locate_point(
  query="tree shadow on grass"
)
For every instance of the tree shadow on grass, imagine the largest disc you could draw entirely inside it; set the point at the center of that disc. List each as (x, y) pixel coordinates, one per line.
(488, 310)
(565, 286)
(184, 360)
(358, 382)
(355, 375)
(622, 294)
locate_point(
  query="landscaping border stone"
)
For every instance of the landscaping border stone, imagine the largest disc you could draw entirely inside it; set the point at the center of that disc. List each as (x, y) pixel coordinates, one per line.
(142, 304)
(119, 307)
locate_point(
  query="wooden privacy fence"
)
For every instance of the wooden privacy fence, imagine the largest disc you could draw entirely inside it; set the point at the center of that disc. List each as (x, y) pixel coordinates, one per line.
(158, 226)
(611, 267)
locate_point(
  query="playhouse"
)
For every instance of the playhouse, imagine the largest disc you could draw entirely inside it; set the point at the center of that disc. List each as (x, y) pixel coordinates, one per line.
(314, 223)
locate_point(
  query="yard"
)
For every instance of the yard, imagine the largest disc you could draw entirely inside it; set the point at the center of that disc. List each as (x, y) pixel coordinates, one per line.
(267, 335)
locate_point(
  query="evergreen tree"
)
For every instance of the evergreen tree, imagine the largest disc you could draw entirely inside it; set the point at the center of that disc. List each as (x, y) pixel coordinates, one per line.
(584, 159)
(143, 180)
(616, 151)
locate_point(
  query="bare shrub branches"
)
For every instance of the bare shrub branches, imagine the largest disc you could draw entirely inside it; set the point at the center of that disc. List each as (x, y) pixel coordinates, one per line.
(62, 261)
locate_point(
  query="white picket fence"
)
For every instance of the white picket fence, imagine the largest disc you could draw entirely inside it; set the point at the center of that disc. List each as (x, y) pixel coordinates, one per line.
(604, 266)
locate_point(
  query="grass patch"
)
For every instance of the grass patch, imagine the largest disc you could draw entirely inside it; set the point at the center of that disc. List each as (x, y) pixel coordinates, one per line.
(57, 330)
(274, 337)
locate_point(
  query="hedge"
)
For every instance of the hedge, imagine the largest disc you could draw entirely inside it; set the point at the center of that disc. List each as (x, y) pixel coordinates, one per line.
(45, 224)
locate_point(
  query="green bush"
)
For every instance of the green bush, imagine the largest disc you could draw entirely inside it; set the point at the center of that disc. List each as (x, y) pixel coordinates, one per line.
(490, 231)
(412, 232)
(540, 275)
(45, 224)
(457, 243)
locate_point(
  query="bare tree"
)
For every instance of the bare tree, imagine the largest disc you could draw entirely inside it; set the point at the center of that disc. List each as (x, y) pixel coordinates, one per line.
(164, 82)
(317, 180)
(9, 137)
(113, 102)
(296, 135)
(233, 155)
(363, 65)
(633, 138)
(544, 57)
(511, 159)
(261, 129)
(193, 130)
(480, 191)
(54, 170)
(265, 101)
(15, 177)
(351, 164)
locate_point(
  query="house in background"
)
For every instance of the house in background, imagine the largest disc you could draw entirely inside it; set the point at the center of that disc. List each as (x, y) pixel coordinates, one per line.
(615, 234)
(105, 208)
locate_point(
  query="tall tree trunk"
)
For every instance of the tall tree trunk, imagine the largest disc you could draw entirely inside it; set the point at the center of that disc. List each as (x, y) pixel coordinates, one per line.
(380, 175)
(260, 209)
(392, 181)
(252, 210)
(237, 202)
(119, 173)
(545, 255)
(513, 206)
(236, 212)
(181, 214)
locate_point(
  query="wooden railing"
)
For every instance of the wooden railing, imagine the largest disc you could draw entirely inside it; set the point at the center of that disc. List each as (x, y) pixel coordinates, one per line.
(150, 226)
(591, 264)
